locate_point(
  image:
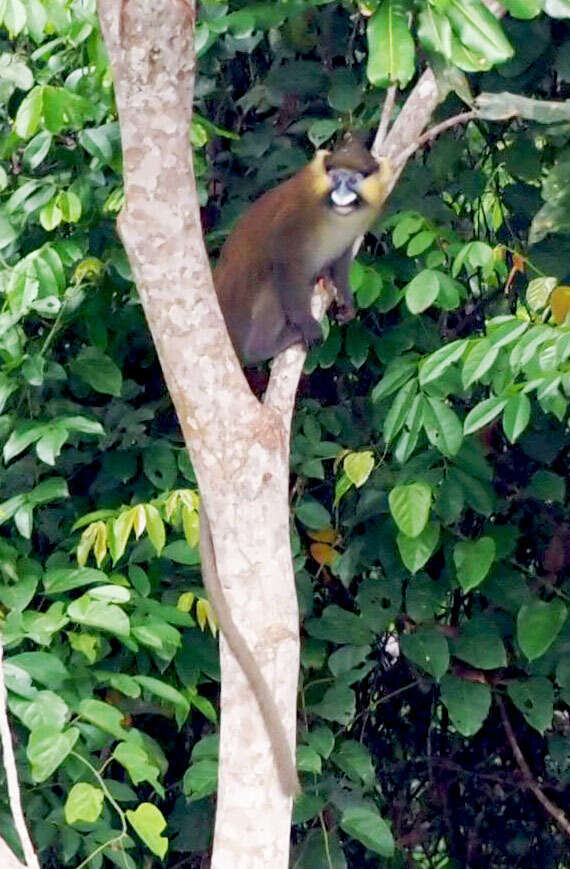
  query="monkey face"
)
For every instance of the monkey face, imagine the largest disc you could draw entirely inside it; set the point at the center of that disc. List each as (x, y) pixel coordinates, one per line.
(345, 190)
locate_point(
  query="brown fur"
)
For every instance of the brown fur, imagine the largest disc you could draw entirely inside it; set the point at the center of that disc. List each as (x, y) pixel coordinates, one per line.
(287, 239)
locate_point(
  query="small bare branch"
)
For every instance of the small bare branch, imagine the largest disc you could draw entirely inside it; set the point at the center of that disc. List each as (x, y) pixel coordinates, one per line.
(431, 134)
(529, 780)
(386, 117)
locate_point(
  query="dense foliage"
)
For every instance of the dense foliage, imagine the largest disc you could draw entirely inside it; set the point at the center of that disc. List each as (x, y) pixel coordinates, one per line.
(429, 458)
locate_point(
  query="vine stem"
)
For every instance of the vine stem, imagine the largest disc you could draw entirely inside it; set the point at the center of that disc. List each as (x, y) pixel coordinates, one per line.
(114, 803)
(12, 775)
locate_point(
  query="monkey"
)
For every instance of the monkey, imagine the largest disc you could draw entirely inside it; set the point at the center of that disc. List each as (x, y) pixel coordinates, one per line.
(303, 229)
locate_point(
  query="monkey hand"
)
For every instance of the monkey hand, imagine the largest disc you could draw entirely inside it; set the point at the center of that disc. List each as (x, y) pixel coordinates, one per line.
(310, 331)
(345, 312)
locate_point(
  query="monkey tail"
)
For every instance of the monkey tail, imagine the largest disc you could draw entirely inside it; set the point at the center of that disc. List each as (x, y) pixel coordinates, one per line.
(284, 761)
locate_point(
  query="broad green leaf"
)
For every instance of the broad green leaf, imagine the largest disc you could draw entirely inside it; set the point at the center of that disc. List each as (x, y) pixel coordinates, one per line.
(44, 667)
(139, 764)
(539, 291)
(47, 709)
(398, 413)
(410, 506)
(478, 29)
(358, 467)
(165, 692)
(201, 779)
(338, 704)
(473, 559)
(99, 371)
(365, 824)
(428, 649)
(337, 625)
(312, 514)
(434, 365)
(104, 716)
(415, 552)
(516, 416)
(557, 8)
(97, 614)
(422, 291)
(534, 697)
(48, 748)
(354, 759)
(390, 46)
(468, 703)
(524, 9)
(61, 579)
(148, 821)
(483, 413)
(29, 114)
(538, 625)
(84, 803)
(546, 486)
(397, 374)
(480, 644)
(478, 360)
(442, 426)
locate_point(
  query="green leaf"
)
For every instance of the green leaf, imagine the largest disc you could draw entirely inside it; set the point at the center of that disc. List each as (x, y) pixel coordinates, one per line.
(524, 9)
(165, 692)
(14, 15)
(428, 649)
(148, 821)
(354, 759)
(48, 748)
(538, 625)
(483, 413)
(60, 579)
(97, 614)
(51, 215)
(415, 552)
(338, 704)
(365, 824)
(422, 291)
(390, 46)
(140, 766)
(99, 371)
(29, 114)
(104, 716)
(468, 703)
(546, 486)
(535, 699)
(410, 506)
(480, 644)
(539, 291)
(434, 365)
(473, 559)
(44, 667)
(358, 467)
(201, 779)
(47, 709)
(338, 625)
(442, 426)
(478, 360)
(84, 803)
(478, 29)
(312, 514)
(397, 374)
(516, 416)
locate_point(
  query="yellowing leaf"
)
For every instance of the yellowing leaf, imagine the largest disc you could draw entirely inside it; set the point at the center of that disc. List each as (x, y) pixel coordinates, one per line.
(324, 535)
(323, 553)
(185, 601)
(205, 613)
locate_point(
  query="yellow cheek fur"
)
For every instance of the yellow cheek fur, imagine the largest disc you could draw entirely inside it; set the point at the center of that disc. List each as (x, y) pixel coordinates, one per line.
(321, 184)
(374, 186)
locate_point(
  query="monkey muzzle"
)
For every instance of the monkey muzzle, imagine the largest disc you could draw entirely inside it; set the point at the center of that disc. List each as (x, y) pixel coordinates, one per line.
(345, 191)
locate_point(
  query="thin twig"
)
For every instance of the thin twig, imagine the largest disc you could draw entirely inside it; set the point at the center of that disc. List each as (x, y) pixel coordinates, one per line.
(12, 776)
(529, 780)
(462, 118)
(385, 118)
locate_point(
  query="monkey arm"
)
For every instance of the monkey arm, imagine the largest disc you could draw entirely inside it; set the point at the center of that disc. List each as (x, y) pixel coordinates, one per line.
(339, 271)
(295, 291)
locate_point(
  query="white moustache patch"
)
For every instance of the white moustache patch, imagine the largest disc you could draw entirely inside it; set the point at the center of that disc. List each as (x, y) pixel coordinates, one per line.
(343, 198)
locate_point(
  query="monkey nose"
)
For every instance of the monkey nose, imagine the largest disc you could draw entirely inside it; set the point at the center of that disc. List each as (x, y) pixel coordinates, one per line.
(343, 197)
